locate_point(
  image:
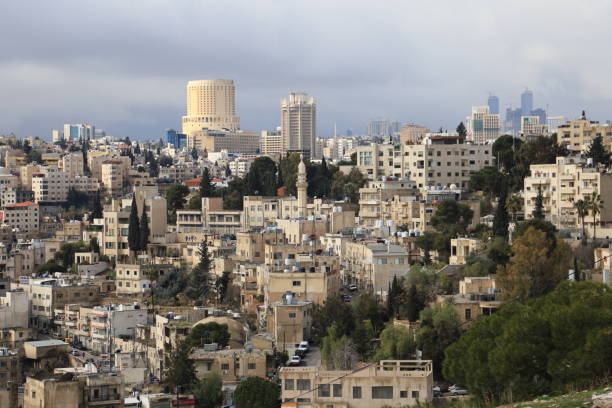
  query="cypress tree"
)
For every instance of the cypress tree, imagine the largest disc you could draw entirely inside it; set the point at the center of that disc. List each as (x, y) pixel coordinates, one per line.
(461, 130)
(134, 228)
(538, 211)
(198, 279)
(500, 221)
(97, 211)
(144, 230)
(206, 187)
(598, 153)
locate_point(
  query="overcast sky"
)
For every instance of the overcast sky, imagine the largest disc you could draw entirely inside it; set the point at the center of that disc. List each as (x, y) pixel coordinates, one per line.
(123, 65)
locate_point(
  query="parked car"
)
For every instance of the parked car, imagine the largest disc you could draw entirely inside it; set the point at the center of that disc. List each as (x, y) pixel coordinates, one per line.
(346, 298)
(457, 390)
(352, 287)
(75, 353)
(295, 361)
(304, 345)
(300, 352)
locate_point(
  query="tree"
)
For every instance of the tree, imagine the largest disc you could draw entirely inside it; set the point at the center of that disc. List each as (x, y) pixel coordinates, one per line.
(347, 186)
(144, 232)
(169, 285)
(206, 187)
(223, 284)
(208, 333)
(261, 178)
(504, 150)
(532, 270)
(34, 156)
(134, 227)
(153, 167)
(366, 306)
(194, 154)
(195, 202)
(522, 350)
(514, 204)
(97, 211)
(598, 153)
(413, 305)
(175, 197)
(255, 392)
(233, 195)
(337, 350)
(332, 311)
(595, 204)
(461, 130)
(451, 216)
(166, 161)
(199, 286)
(488, 180)
(426, 242)
(394, 296)
(208, 391)
(180, 370)
(396, 343)
(440, 327)
(538, 210)
(500, 220)
(582, 209)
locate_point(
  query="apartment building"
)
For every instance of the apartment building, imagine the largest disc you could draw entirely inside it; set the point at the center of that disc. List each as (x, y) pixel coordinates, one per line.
(82, 391)
(233, 365)
(218, 220)
(272, 142)
(289, 320)
(531, 128)
(85, 184)
(240, 167)
(461, 248)
(562, 184)
(390, 382)
(22, 216)
(14, 310)
(234, 141)
(25, 175)
(373, 265)
(483, 126)
(577, 135)
(250, 244)
(113, 180)
(412, 134)
(50, 184)
(478, 296)
(135, 279)
(189, 221)
(47, 295)
(96, 325)
(72, 164)
(13, 196)
(440, 160)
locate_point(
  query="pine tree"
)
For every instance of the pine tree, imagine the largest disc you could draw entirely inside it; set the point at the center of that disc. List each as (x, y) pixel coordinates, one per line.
(598, 153)
(538, 211)
(134, 228)
(194, 154)
(206, 187)
(461, 130)
(97, 211)
(279, 174)
(198, 279)
(144, 230)
(413, 306)
(500, 221)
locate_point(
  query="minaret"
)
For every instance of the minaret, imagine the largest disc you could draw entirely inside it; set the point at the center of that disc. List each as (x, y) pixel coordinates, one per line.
(302, 187)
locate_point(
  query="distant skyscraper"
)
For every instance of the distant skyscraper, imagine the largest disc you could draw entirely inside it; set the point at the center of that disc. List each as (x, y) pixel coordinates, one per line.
(493, 103)
(526, 103)
(482, 125)
(176, 139)
(383, 127)
(79, 131)
(210, 105)
(298, 123)
(513, 121)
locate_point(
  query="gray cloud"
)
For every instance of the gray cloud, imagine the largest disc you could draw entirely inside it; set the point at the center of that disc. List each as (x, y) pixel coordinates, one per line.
(123, 65)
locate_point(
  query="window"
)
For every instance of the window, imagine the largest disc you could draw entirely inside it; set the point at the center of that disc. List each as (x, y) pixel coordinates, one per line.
(415, 394)
(403, 394)
(356, 392)
(468, 314)
(252, 366)
(337, 390)
(289, 384)
(292, 315)
(382, 392)
(303, 385)
(225, 366)
(324, 390)
(297, 283)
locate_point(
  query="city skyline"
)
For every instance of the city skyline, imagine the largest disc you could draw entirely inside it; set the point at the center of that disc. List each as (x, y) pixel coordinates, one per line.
(122, 73)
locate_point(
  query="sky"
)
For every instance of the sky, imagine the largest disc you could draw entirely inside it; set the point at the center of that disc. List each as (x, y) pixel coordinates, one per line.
(123, 65)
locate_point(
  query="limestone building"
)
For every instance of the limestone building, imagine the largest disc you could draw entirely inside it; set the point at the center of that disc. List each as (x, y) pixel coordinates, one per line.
(298, 124)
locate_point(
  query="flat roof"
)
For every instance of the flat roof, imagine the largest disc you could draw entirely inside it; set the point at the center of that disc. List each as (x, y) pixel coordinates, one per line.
(46, 343)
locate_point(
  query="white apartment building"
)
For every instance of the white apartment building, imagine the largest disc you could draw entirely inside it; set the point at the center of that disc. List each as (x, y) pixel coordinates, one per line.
(240, 167)
(482, 126)
(50, 184)
(113, 171)
(388, 383)
(562, 184)
(531, 128)
(14, 309)
(373, 265)
(272, 142)
(440, 160)
(298, 124)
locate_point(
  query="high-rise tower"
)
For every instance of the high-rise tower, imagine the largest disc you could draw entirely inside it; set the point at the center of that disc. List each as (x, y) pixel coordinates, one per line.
(210, 104)
(493, 103)
(526, 102)
(298, 124)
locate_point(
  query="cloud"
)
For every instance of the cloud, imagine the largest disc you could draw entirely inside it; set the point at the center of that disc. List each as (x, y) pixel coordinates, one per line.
(124, 65)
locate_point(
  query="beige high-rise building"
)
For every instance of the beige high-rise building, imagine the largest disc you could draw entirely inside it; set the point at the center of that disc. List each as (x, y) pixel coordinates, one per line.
(210, 105)
(298, 123)
(272, 142)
